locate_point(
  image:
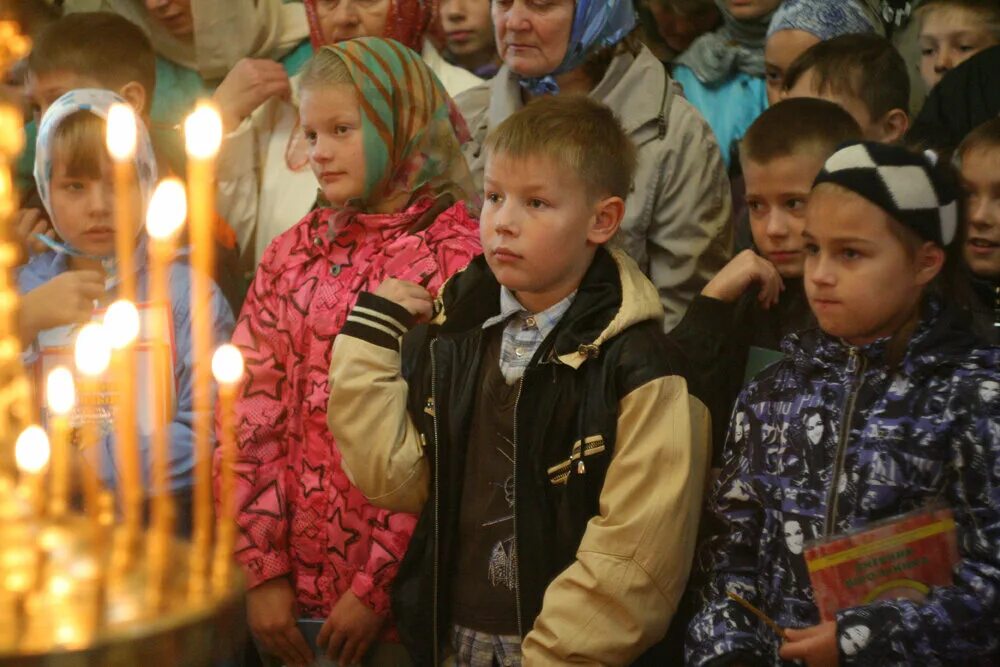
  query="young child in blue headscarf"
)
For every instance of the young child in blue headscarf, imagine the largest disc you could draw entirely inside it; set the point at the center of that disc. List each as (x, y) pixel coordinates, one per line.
(65, 287)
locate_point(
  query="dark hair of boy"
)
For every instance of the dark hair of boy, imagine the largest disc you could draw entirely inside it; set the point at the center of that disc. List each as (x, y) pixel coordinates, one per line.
(101, 45)
(798, 125)
(578, 133)
(985, 136)
(867, 67)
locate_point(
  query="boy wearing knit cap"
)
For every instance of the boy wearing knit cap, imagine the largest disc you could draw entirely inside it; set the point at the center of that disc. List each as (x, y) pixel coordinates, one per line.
(800, 24)
(889, 405)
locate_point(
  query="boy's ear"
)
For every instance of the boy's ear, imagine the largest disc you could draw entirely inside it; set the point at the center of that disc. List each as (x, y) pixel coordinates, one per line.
(894, 126)
(135, 94)
(608, 215)
(930, 260)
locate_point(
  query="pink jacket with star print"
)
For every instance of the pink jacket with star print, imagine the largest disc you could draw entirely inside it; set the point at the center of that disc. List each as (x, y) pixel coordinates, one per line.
(298, 513)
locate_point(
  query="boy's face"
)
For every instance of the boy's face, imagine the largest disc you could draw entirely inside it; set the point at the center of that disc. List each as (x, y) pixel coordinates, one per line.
(467, 26)
(539, 227)
(83, 209)
(777, 193)
(174, 15)
(872, 129)
(781, 50)
(347, 19)
(948, 37)
(745, 10)
(42, 90)
(860, 279)
(981, 178)
(331, 123)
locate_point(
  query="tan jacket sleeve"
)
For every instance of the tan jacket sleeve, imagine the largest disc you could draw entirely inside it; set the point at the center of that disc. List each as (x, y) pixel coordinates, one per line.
(381, 447)
(632, 565)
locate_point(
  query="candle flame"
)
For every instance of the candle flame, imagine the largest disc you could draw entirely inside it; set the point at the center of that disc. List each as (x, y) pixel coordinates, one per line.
(167, 209)
(60, 390)
(121, 135)
(203, 132)
(121, 324)
(93, 354)
(227, 365)
(32, 450)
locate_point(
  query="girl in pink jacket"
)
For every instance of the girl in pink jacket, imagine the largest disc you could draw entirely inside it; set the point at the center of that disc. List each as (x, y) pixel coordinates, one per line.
(384, 144)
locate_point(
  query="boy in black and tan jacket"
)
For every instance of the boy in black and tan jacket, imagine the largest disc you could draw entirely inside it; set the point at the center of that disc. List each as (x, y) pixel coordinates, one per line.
(537, 421)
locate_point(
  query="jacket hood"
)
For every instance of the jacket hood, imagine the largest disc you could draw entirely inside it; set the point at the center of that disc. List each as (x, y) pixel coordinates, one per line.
(613, 296)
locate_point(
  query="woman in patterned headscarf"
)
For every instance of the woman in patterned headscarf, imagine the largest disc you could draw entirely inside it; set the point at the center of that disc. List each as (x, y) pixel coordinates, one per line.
(264, 180)
(383, 139)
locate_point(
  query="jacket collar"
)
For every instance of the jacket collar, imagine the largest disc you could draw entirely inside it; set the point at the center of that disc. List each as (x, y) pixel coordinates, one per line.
(613, 296)
(634, 87)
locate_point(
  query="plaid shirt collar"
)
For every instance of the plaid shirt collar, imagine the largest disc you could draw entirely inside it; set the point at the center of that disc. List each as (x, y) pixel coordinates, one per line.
(544, 321)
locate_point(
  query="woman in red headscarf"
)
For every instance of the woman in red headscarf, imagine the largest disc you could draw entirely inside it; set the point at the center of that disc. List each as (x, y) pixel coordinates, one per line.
(264, 182)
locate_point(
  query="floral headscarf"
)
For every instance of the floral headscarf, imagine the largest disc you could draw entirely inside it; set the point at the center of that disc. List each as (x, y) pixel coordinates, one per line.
(411, 129)
(97, 102)
(406, 22)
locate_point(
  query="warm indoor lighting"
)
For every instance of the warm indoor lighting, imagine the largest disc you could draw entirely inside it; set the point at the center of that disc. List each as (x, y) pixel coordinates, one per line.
(227, 365)
(93, 353)
(167, 209)
(60, 391)
(32, 450)
(121, 136)
(121, 324)
(203, 132)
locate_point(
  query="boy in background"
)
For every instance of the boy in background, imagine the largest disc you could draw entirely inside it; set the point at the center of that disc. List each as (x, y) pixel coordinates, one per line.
(542, 430)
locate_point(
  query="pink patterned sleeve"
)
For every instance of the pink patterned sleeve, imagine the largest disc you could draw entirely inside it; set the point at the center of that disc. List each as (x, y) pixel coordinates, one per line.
(261, 416)
(453, 241)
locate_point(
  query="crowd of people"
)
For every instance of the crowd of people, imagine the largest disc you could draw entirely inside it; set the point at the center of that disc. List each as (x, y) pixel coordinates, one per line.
(570, 326)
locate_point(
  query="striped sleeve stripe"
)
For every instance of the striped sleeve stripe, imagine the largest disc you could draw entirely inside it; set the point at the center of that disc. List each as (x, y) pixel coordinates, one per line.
(374, 324)
(379, 320)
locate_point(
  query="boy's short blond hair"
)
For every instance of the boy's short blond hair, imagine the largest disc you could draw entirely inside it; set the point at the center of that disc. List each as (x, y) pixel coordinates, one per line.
(988, 11)
(578, 133)
(984, 137)
(795, 126)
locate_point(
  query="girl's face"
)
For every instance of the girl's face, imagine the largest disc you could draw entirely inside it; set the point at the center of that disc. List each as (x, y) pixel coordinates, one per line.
(747, 10)
(174, 15)
(467, 26)
(850, 247)
(331, 122)
(83, 208)
(948, 37)
(780, 51)
(532, 36)
(981, 179)
(347, 19)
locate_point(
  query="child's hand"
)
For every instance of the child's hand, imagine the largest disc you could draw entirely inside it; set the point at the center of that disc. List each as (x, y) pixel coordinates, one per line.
(815, 646)
(271, 616)
(66, 299)
(742, 271)
(350, 630)
(417, 300)
(248, 85)
(27, 223)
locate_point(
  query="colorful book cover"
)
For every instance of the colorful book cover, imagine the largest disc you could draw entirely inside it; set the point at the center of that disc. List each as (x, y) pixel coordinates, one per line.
(902, 558)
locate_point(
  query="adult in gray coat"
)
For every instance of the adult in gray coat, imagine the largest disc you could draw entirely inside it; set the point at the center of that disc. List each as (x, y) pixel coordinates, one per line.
(677, 219)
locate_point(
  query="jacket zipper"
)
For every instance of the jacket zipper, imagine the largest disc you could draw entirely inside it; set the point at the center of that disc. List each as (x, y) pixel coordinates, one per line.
(996, 308)
(857, 372)
(437, 504)
(517, 548)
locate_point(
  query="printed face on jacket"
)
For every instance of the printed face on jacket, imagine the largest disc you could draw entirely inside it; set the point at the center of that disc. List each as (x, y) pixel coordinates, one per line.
(331, 123)
(948, 37)
(777, 193)
(981, 179)
(347, 19)
(532, 35)
(174, 15)
(535, 228)
(794, 538)
(851, 249)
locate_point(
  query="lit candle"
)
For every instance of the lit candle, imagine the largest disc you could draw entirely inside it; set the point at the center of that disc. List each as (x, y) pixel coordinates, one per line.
(167, 211)
(121, 141)
(227, 366)
(203, 135)
(31, 453)
(93, 355)
(121, 327)
(60, 393)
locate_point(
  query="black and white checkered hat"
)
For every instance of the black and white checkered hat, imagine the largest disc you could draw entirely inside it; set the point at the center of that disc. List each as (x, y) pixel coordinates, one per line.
(907, 185)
